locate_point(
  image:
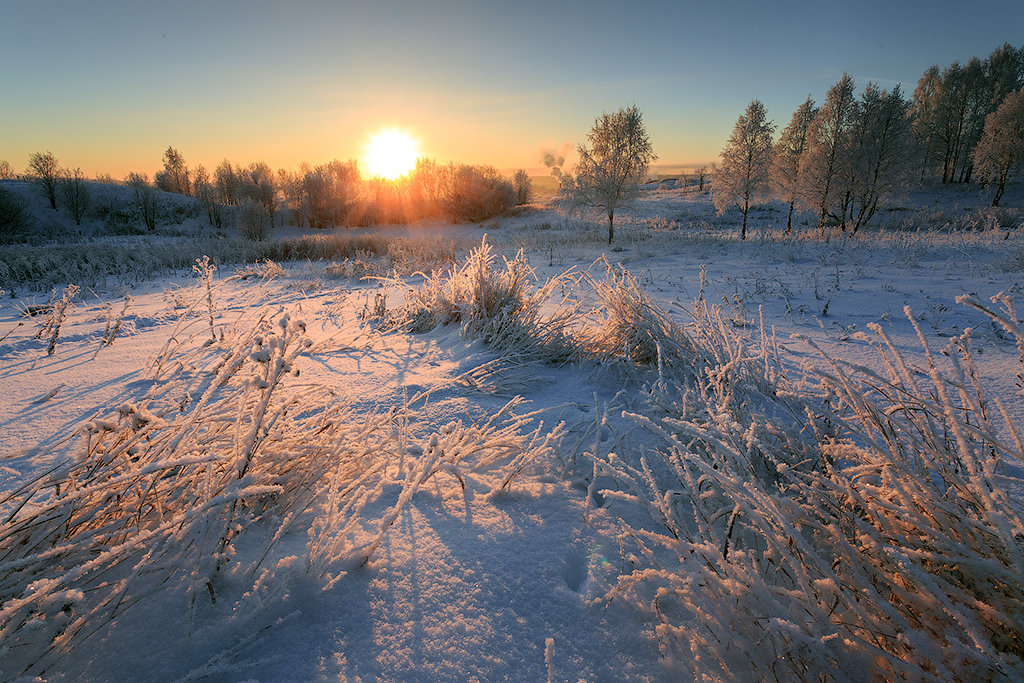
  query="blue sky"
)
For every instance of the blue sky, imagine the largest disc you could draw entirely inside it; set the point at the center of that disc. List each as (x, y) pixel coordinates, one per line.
(108, 85)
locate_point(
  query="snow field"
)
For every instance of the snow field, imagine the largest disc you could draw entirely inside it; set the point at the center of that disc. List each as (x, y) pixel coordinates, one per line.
(511, 469)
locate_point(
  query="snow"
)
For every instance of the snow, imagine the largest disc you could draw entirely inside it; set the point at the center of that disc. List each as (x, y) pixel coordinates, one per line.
(467, 584)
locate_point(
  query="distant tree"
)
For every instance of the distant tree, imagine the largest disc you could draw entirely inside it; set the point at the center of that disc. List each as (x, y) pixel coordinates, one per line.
(145, 198)
(476, 193)
(74, 194)
(292, 194)
(524, 187)
(226, 181)
(43, 168)
(6, 172)
(788, 150)
(828, 140)
(702, 176)
(1000, 152)
(205, 192)
(426, 187)
(253, 220)
(329, 192)
(257, 183)
(742, 178)
(613, 162)
(175, 175)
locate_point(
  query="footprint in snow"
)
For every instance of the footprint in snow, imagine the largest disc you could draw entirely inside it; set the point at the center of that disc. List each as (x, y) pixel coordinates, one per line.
(574, 571)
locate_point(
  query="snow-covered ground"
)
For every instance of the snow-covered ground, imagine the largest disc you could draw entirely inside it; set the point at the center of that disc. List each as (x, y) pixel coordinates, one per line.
(473, 580)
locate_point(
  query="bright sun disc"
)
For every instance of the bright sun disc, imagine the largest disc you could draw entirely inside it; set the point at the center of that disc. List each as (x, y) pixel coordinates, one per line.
(391, 154)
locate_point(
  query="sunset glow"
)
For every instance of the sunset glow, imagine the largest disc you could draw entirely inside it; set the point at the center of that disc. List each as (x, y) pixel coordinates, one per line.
(391, 154)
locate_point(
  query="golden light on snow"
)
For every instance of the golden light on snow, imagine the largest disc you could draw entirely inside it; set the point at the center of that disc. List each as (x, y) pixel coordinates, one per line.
(391, 154)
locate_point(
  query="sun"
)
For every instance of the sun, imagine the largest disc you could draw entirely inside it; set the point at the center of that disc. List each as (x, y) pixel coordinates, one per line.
(391, 154)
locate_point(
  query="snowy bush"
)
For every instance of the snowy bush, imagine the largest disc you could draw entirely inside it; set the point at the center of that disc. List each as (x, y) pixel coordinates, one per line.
(476, 193)
(13, 214)
(499, 305)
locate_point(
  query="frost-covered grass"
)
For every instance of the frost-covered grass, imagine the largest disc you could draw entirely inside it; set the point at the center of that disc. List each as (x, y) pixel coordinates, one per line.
(761, 506)
(227, 444)
(129, 261)
(793, 530)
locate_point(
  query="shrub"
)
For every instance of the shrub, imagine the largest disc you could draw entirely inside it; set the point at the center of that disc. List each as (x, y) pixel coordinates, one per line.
(476, 193)
(253, 220)
(13, 215)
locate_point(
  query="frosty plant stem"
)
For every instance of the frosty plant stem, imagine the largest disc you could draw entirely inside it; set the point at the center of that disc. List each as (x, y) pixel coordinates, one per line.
(204, 270)
(58, 311)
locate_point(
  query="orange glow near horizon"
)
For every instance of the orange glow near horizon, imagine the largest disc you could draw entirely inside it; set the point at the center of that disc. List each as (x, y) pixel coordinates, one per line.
(391, 154)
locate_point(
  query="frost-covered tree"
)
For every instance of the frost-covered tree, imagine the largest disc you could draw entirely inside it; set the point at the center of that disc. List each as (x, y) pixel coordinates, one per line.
(828, 141)
(225, 179)
(1000, 152)
(253, 220)
(475, 193)
(524, 187)
(206, 193)
(6, 172)
(174, 177)
(74, 194)
(145, 198)
(258, 184)
(788, 150)
(43, 168)
(742, 178)
(329, 191)
(879, 156)
(613, 162)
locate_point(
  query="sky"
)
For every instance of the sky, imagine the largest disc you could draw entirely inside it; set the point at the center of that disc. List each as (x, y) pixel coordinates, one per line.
(108, 85)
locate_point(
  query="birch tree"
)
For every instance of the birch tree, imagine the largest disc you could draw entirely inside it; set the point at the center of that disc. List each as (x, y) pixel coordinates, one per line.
(828, 140)
(613, 162)
(1000, 152)
(880, 151)
(742, 178)
(788, 150)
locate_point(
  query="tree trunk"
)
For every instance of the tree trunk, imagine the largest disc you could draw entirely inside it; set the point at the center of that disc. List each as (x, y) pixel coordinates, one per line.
(789, 218)
(746, 208)
(611, 226)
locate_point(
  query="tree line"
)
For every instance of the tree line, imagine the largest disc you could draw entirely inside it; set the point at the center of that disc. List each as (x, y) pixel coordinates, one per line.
(841, 159)
(332, 194)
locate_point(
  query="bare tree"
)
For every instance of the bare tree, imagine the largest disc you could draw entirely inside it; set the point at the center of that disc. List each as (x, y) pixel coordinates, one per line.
(612, 164)
(828, 140)
(145, 198)
(6, 172)
(742, 177)
(1000, 152)
(702, 177)
(789, 149)
(45, 171)
(74, 194)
